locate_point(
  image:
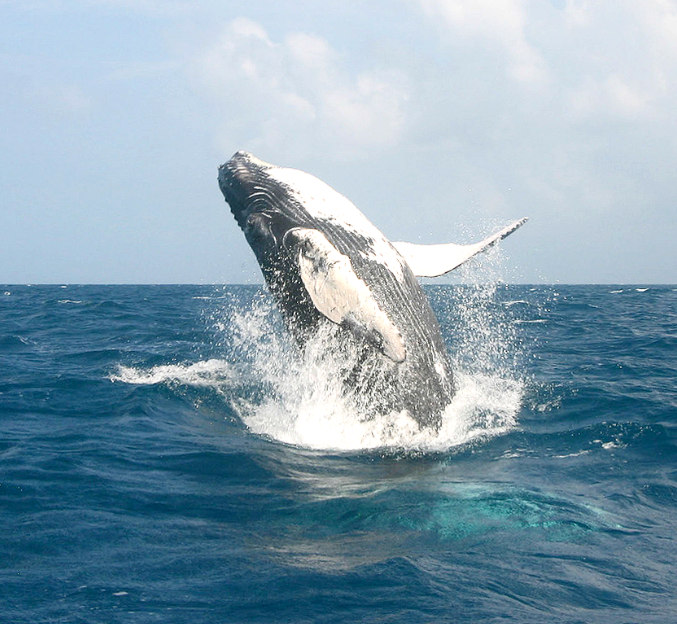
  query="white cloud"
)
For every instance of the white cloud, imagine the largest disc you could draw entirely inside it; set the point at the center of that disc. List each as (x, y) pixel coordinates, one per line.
(612, 97)
(624, 58)
(604, 60)
(577, 12)
(499, 22)
(297, 94)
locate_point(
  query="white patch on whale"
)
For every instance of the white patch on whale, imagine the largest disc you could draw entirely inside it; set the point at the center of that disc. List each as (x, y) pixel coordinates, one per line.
(339, 294)
(321, 201)
(436, 260)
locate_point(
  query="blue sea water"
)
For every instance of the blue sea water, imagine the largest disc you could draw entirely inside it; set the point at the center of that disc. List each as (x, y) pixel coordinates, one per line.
(165, 457)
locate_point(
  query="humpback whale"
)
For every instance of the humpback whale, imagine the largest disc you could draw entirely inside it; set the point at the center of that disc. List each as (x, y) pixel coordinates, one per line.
(330, 269)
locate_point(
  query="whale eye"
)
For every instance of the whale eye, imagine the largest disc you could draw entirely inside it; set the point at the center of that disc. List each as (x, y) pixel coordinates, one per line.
(258, 225)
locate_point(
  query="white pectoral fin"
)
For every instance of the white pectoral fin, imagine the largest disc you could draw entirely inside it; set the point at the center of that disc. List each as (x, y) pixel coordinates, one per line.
(340, 295)
(436, 260)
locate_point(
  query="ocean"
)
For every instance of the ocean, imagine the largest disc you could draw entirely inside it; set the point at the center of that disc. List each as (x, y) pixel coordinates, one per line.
(166, 456)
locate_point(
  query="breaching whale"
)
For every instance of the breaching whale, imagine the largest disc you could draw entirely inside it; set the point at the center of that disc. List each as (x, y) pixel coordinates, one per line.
(329, 268)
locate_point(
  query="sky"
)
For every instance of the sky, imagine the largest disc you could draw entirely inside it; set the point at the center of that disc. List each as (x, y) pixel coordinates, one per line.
(440, 119)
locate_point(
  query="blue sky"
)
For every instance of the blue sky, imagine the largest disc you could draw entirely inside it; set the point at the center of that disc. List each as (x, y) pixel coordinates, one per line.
(439, 119)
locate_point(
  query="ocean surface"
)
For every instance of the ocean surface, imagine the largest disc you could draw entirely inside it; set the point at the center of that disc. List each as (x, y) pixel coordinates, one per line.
(165, 456)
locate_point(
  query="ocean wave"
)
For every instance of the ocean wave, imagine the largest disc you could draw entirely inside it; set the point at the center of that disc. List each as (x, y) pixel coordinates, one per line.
(211, 372)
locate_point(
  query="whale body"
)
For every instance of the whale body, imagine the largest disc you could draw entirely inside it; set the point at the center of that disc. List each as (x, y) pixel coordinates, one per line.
(330, 269)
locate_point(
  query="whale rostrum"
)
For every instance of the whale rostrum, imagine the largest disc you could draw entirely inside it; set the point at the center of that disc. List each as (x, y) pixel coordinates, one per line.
(326, 264)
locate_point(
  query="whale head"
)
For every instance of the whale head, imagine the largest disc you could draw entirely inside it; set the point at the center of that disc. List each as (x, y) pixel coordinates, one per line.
(244, 183)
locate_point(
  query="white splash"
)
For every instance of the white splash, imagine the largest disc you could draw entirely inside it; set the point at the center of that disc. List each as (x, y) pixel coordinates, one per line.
(208, 373)
(482, 408)
(306, 405)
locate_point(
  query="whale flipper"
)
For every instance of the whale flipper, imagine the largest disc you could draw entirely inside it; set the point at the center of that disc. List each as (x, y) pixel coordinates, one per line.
(340, 295)
(436, 260)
